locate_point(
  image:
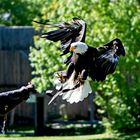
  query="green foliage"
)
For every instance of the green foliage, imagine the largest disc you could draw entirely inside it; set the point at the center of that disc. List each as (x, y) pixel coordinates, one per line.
(19, 12)
(122, 105)
(46, 61)
(119, 95)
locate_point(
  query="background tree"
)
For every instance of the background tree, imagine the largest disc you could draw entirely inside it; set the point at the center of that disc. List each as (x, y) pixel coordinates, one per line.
(119, 95)
(19, 12)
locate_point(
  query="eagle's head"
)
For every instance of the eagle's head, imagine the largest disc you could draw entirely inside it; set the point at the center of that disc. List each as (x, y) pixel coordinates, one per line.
(78, 47)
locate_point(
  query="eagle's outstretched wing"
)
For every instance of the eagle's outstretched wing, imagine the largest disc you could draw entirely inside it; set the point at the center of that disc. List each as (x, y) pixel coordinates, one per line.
(106, 59)
(67, 33)
(96, 63)
(84, 60)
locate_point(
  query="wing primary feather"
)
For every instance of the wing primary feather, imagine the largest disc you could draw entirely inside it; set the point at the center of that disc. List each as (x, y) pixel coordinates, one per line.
(57, 35)
(47, 23)
(66, 32)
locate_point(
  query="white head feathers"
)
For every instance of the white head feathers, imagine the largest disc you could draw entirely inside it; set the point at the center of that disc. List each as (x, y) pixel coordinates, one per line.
(78, 47)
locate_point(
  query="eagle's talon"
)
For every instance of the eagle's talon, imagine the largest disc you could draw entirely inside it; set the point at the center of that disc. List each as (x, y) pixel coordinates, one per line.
(60, 77)
(80, 79)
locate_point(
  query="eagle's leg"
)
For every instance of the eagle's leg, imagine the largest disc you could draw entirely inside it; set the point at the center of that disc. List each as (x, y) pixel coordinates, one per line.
(83, 76)
(64, 75)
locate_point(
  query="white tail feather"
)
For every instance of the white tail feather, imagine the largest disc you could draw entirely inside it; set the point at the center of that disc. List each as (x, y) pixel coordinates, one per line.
(74, 95)
(79, 94)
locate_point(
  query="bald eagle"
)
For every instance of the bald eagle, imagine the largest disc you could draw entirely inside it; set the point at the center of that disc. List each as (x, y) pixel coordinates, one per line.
(83, 61)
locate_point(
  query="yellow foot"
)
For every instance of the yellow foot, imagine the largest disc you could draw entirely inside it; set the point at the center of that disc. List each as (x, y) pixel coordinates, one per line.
(80, 79)
(60, 76)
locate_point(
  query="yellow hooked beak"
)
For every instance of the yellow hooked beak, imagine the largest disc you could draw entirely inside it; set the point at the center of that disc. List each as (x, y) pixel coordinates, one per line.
(72, 48)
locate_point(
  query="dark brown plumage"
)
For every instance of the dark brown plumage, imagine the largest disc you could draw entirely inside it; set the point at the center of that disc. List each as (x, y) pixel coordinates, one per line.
(67, 33)
(83, 61)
